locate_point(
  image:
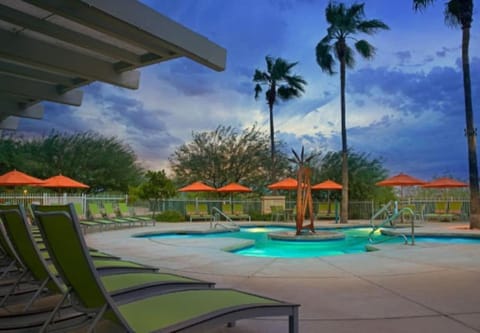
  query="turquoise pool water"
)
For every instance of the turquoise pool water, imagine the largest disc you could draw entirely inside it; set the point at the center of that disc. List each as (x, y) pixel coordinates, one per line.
(354, 242)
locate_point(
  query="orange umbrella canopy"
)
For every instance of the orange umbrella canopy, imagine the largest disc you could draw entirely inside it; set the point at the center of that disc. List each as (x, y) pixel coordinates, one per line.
(401, 179)
(197, 187)
(61, 181)
(234, 187)
(285, 184)
(444, 183)
(18, 178)
(327, 185)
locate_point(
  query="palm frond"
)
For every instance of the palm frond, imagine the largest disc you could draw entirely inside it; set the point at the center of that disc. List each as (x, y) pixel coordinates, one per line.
(258, 90)
(297, 159)
(365, 49)
(296, 82)
(260, 76)
(420, 5)
(334, 13)
(459, 13)
(371, 26)
(324, 57)
(355, 13)
(270, 61)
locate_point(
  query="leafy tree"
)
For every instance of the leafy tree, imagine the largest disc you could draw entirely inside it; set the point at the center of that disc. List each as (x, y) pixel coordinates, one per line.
(345, 22)
(459, 13)
(157, 186)
(100, 162)
(281, 83)
(364, 173)
(225, 155)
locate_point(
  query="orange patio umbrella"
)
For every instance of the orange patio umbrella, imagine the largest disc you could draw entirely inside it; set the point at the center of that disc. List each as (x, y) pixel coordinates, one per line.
(18, 178)
(61, 181)
(444, 182)
(197, 187)
(284, 184)
(234, 187)
(327, 185)
(401, 180)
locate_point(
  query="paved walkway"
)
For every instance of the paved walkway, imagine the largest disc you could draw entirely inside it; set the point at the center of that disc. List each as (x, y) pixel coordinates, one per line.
(422, 288)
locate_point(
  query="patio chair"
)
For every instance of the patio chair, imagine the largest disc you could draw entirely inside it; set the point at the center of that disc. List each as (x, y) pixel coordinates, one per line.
(169, 312)
(456, 209)
(324, 210)
(110, 214)
(124, 213)
(277, 213)
(95, 215)
(239, 212)
(440, 212)
(123, 286)
(145, 217)
(235, 212)
(83, 219)
(197, 212)
(128, 213)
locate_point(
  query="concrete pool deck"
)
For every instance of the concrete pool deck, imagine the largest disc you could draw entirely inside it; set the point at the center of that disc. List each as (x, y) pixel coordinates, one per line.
(401, 288)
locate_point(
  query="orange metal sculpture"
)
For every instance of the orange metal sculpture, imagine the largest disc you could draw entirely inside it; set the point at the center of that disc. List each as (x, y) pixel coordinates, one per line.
(304, 192)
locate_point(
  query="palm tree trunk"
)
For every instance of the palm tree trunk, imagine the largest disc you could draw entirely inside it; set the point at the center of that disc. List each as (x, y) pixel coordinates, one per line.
(272, 141)
(471, 133)
(344, 208)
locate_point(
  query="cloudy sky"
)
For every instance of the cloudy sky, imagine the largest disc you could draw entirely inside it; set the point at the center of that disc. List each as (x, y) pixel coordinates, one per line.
(405, 106)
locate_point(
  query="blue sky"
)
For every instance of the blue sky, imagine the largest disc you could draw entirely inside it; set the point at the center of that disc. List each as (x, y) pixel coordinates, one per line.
(406, 106)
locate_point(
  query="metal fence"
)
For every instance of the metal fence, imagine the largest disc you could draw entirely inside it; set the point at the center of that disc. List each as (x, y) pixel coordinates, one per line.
(357, 209)
(61, 199)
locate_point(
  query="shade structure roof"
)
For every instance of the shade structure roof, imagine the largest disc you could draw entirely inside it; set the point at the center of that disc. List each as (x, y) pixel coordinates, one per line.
(444, 182)
(401, 179)
(49, 49)
(18, 178)
(284, 184)
(327, 185)
(197, 187)
(61, 181)
(233, 187)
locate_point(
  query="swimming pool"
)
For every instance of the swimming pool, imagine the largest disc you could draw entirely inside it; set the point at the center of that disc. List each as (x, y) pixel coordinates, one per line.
(356, 238)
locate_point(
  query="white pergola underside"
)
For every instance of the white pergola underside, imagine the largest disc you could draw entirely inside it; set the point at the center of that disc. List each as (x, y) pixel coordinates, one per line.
(49, 49)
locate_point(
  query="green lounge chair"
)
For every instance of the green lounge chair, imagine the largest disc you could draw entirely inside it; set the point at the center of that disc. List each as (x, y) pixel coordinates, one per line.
(235, 212)
(197, 212)
(124, 213)
(169, 312)
(122, 287)
(96, 215)
(83, 219)
(456, 209)
(111, 215)
(127, 212)
(440, 212)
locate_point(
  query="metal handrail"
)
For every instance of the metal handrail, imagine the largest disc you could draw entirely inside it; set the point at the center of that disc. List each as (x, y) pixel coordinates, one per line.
(390, 219)
(383, 210)
(217, 212)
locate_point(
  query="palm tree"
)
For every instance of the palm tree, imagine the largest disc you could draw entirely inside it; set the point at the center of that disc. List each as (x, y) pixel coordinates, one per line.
(281, 83)
(345, 22)
(459, 13)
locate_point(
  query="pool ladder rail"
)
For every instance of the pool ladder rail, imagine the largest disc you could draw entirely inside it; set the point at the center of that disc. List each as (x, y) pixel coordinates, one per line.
(391, 217)
(217, 214)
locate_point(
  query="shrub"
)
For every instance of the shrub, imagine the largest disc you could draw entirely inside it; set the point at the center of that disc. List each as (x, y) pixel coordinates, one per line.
(170, 216)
